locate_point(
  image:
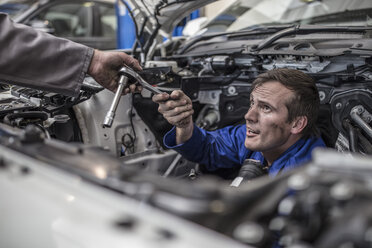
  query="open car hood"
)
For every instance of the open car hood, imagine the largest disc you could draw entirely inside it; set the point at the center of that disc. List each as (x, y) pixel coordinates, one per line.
(167, 15)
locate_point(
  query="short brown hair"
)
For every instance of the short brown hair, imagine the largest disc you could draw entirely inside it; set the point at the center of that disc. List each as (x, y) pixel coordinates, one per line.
(306, 97)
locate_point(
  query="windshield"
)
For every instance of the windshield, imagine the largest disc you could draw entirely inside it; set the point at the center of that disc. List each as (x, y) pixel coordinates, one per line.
(243, 14)
(16, 7)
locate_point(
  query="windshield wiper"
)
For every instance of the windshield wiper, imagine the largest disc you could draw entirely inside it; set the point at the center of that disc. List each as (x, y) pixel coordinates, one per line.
(251, 30)
(305, 29)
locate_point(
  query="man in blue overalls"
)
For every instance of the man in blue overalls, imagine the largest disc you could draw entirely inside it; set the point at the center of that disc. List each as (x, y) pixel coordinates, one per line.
(279, 132)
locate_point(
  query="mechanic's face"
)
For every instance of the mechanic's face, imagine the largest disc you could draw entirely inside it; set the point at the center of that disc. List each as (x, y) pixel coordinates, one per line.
(268, 130)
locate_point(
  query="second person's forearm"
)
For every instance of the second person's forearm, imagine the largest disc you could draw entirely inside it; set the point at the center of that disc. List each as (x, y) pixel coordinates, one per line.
(183, 134)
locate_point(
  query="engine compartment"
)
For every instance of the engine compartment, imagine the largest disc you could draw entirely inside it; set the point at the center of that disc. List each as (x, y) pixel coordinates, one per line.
(323, 204)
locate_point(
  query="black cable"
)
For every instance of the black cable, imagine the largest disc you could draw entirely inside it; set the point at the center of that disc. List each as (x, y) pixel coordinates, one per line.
(196, 39)
(233, 78)
(136, 42)
(43, 129)
(151, 39)
(134, 20)
(162, 4)
(145, 5)
(30, 115)
(353, 138)
(156, 12)
(126, 144)
(131, 15)
(129, 144)
(131, 119)
(364, 143)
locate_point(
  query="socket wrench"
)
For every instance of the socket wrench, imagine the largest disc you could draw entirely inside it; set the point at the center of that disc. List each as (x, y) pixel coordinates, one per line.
(125, 73)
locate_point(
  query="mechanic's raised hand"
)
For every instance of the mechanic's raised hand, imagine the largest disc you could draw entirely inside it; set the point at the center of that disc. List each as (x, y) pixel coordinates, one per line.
(176, 108)
(105, 66)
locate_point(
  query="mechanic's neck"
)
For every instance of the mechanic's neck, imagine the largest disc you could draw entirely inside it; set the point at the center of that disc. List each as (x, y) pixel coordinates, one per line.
(273, 154)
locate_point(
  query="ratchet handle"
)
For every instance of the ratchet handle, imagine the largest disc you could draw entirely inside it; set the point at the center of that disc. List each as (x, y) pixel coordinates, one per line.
(109, 118)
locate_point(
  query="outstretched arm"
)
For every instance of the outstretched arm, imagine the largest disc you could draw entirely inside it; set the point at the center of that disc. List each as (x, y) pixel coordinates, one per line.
(39, 60)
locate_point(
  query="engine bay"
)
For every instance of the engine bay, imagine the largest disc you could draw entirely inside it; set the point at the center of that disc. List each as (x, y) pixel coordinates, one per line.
(323, 204)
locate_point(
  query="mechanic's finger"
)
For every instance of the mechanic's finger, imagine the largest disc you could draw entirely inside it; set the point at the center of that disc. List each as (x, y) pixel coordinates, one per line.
(131, 62)
(160, 98)
(180, 116)
(175, 119)
(176, 94)
(179, 94)
(132, 88)
(171, 104)
(139, 88)
(126, 91)
(163, 108)
(178, 110)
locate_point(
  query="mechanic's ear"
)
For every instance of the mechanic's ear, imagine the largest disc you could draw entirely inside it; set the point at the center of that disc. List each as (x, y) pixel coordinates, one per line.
(299, 124)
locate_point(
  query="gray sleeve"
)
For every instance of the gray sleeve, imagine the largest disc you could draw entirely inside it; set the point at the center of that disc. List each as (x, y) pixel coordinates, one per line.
(38, 60)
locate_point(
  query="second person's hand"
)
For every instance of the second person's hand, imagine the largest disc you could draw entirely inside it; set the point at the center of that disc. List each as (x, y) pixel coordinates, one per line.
(176, 108)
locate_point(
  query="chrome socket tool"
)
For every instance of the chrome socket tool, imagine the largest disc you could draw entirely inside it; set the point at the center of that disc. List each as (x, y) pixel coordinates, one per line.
(125, 73)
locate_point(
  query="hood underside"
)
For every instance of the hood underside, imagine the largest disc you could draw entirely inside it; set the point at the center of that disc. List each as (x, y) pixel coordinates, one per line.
(166, 13)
